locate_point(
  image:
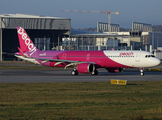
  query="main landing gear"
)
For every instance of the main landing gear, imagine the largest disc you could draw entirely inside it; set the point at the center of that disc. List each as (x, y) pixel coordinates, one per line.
(142, 72)
(74, 72)
(95, 72)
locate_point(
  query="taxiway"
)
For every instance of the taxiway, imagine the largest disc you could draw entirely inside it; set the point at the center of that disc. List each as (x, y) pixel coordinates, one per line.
(61, 75)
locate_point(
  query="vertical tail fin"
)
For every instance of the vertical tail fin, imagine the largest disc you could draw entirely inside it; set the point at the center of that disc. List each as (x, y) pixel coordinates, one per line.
(26, 44)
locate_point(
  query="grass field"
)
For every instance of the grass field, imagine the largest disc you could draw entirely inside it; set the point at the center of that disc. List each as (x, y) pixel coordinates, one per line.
(77, 101)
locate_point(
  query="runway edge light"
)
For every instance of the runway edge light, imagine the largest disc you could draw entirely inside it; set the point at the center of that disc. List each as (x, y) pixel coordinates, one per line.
(119, 82)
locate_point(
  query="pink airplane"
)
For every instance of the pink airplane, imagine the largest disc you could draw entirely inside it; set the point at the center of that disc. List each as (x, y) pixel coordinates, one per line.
(84, 61)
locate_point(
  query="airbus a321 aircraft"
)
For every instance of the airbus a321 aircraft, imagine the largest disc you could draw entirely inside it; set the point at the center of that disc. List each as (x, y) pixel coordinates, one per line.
(84, 61)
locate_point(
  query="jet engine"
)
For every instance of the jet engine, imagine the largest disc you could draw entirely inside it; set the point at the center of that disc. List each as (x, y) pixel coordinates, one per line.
(114, 70)
(85, 68)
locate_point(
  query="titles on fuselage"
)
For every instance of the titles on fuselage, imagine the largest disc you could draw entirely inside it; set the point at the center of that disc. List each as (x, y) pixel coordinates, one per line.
(126, 54)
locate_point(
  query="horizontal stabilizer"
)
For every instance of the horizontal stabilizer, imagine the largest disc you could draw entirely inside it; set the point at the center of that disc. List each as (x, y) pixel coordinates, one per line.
(21, 52)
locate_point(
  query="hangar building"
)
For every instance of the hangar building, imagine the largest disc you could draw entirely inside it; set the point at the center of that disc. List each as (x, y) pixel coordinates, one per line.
(45, 32)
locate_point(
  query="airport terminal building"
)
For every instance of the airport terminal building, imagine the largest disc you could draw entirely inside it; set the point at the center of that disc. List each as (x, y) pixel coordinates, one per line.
(45, 32)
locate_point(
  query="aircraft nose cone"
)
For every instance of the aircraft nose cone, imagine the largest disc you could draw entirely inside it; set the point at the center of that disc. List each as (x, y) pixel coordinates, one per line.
(157, 62)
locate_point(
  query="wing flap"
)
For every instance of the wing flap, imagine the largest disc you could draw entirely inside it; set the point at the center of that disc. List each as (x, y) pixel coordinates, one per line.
(63, 61)
(59, 61)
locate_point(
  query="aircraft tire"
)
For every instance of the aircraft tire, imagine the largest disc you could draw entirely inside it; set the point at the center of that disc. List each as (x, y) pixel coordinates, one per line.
(95, 72)
(142, 74)
(74, 72)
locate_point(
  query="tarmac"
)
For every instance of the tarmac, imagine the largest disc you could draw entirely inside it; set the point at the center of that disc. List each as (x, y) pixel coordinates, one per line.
(64, 75)
(61, 75)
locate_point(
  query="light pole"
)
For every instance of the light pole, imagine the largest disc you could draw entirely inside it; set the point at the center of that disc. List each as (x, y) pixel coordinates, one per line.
(153, 39)
(157, 42)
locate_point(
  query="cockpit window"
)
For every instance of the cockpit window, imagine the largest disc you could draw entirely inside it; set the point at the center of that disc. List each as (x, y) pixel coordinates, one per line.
(152, 56)
(147, 56)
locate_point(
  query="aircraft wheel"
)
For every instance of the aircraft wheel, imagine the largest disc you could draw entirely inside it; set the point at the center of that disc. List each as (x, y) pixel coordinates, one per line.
(141, 70)
(95, 72)
(74, 72)
(142, 74)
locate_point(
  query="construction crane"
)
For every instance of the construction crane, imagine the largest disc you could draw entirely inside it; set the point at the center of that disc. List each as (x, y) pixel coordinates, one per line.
(92, 11)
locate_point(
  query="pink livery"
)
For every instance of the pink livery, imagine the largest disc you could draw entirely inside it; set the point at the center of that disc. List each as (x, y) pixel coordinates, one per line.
(84, 61)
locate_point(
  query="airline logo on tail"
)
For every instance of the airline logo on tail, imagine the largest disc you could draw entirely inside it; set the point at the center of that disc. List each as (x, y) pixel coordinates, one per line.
(26, 44)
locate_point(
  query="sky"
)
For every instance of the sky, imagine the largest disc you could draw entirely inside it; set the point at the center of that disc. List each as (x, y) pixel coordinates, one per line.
(143, 11)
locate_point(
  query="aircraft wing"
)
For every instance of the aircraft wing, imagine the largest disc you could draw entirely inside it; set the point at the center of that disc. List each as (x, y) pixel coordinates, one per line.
(59, 61)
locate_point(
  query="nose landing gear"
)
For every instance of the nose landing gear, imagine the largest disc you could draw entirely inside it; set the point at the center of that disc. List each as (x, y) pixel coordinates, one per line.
(142, 72)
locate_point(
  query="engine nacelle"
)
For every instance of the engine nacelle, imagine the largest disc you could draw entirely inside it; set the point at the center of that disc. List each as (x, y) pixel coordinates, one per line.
(114, 70)
(85, 67)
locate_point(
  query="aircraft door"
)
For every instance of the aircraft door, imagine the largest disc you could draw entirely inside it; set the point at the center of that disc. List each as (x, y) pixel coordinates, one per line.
(137, 57)
(64, 56)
